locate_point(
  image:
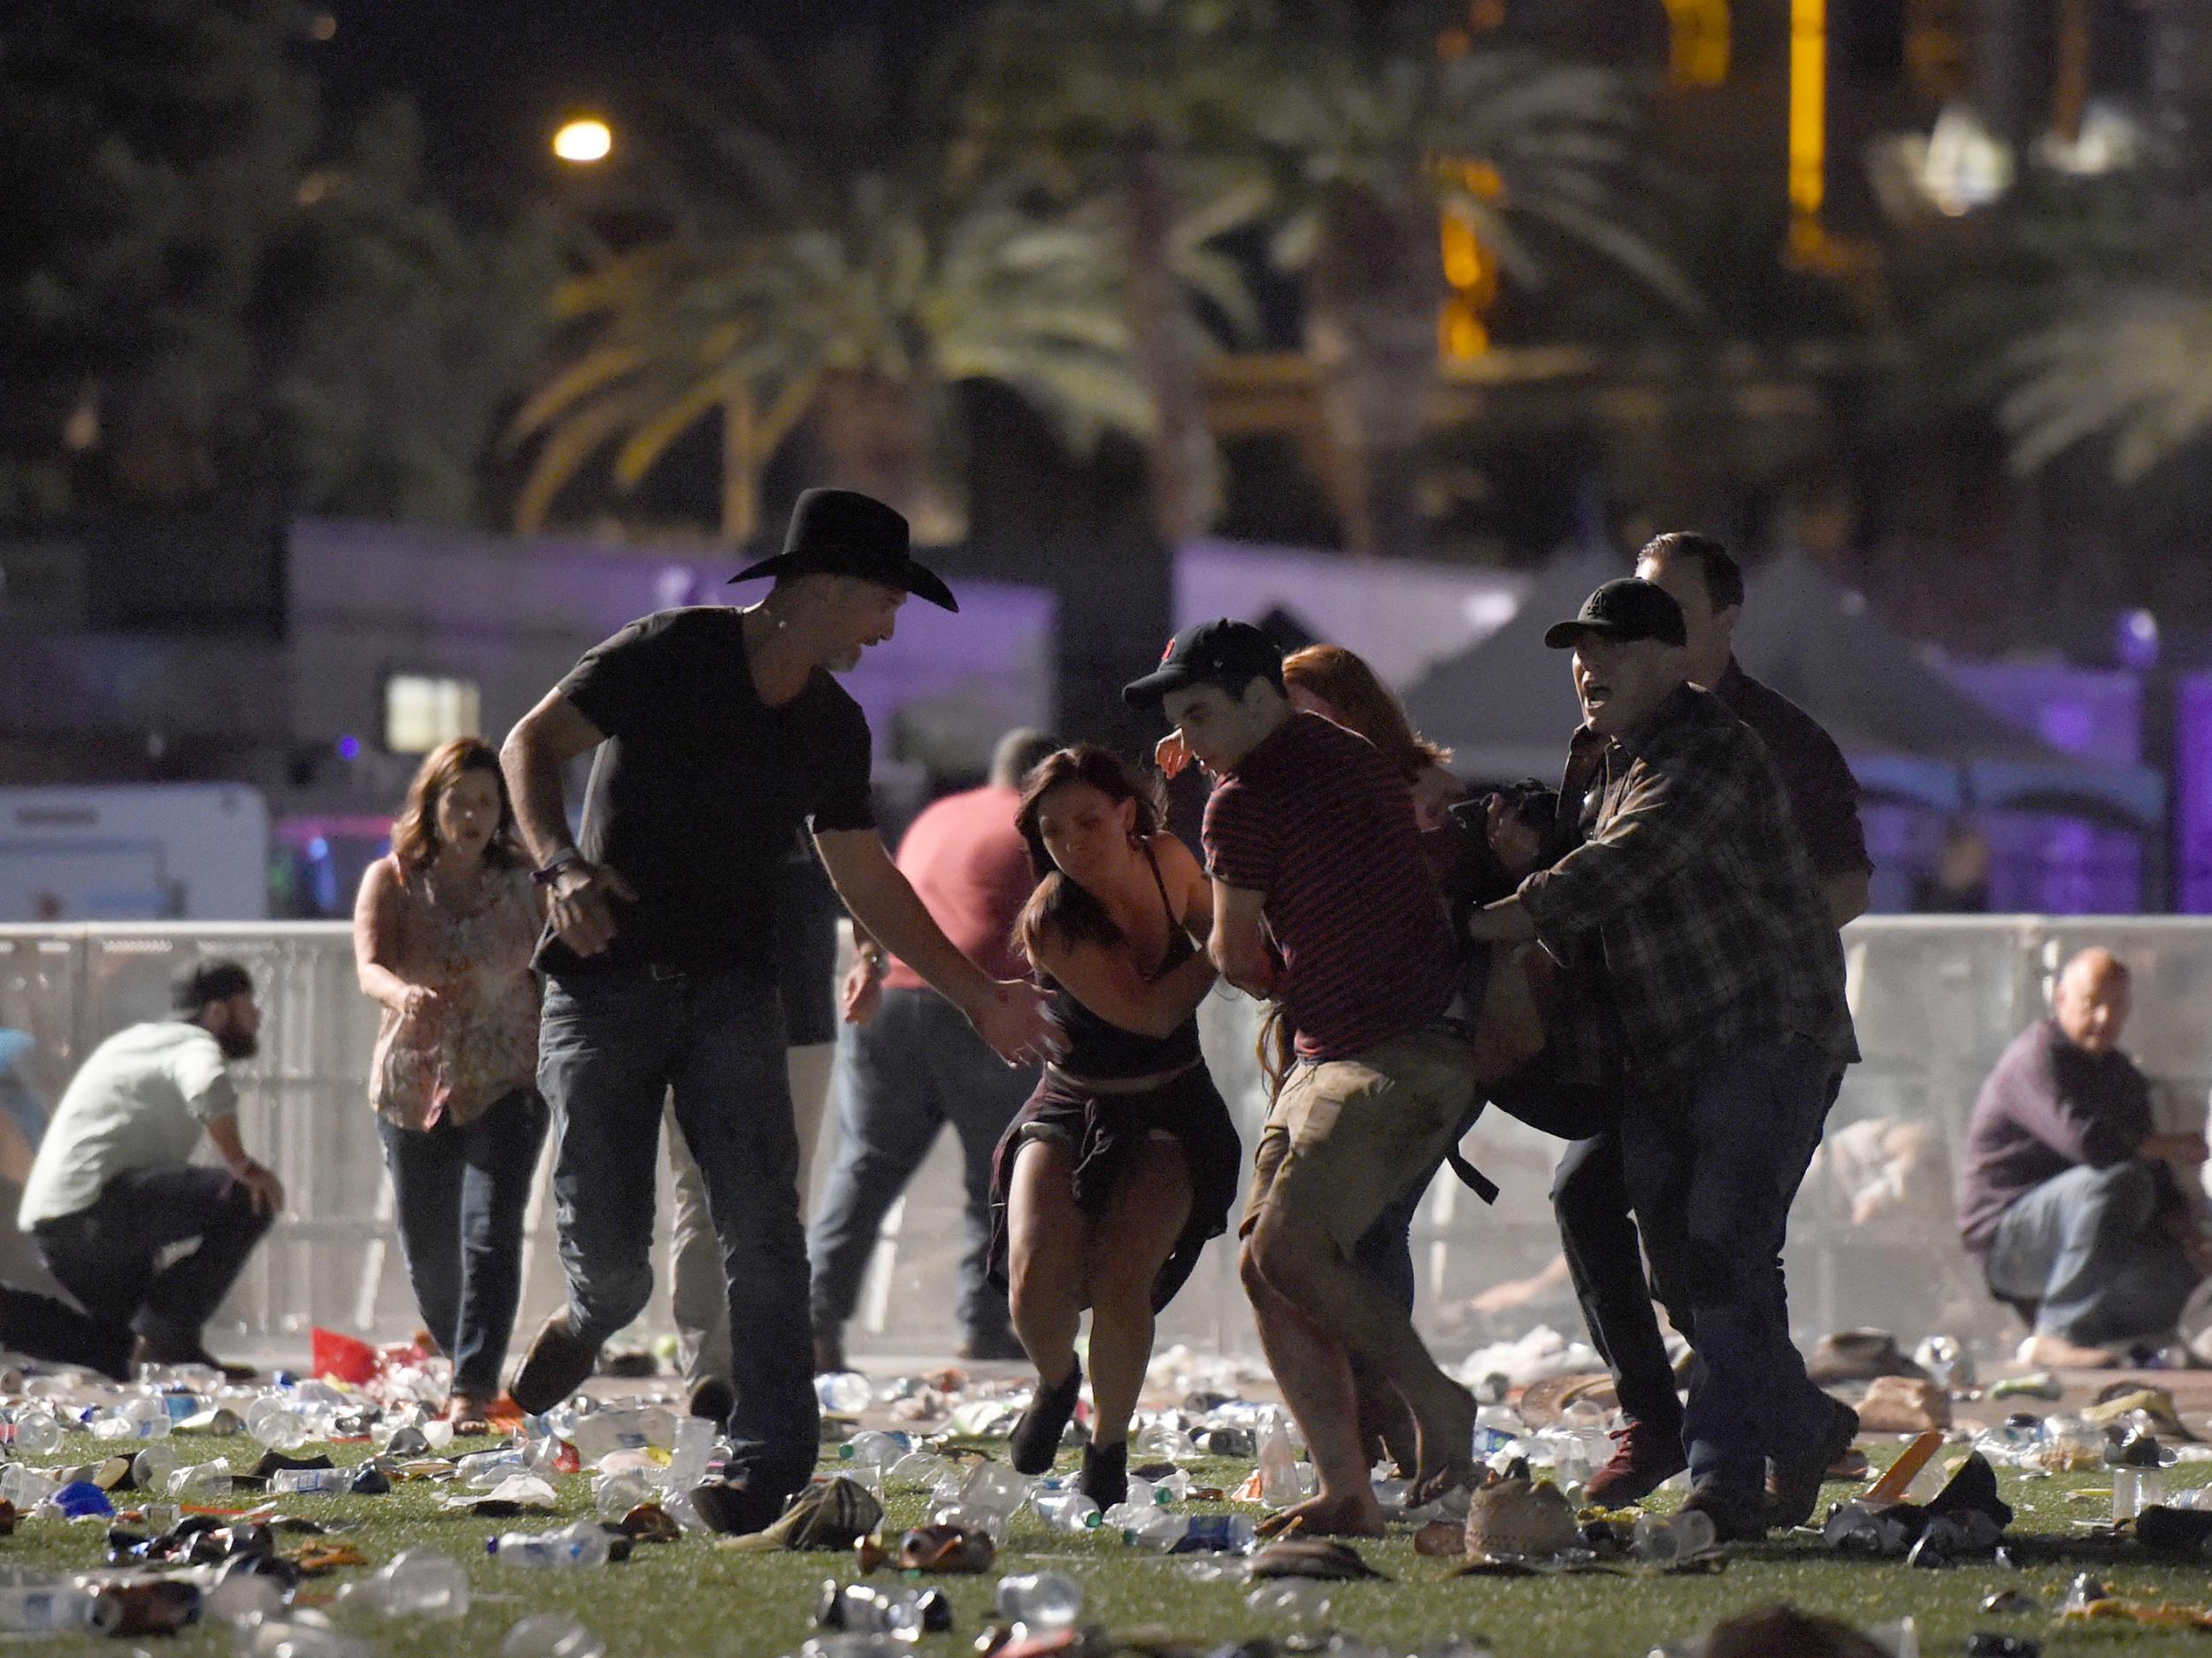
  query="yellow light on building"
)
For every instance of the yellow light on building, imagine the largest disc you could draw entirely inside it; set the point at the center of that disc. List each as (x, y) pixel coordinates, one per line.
(583, 141)
(1698, 43)
(1809, 111)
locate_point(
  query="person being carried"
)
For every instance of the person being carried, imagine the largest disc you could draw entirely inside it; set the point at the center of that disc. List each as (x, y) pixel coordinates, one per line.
(1725, 975)
(2067, 1193)
(719, 732)
(112, 1190)
(1123, 1163)
(1310, 841)
(912, 1064)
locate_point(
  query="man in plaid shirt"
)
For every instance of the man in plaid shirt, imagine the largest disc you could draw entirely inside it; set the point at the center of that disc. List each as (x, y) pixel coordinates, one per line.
(1725, 976)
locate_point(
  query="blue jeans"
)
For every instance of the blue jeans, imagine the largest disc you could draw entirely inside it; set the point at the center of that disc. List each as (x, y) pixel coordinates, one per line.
(916, 1067)
(460, 1195)
(2087, 1245)
(1713, 1172)
(612, 1048)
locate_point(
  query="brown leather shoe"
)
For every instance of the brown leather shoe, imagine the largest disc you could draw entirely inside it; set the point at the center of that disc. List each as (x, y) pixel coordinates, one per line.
(1644, 1458)
(559, 1362)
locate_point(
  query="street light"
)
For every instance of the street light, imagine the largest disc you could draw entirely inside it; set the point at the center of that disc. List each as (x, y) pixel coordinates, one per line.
(583, 141)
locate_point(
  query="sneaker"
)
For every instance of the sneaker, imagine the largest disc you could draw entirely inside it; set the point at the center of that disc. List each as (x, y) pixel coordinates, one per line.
(713, 1399)
(1793, 1483)
(1644, 1458)
(559, 1362)
(1739, 1516)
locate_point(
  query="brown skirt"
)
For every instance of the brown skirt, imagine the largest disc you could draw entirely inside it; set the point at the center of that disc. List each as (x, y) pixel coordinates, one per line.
(1103, 1131)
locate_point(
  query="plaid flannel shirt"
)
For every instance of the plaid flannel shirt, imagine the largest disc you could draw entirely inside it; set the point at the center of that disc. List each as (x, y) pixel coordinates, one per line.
(1698, 895)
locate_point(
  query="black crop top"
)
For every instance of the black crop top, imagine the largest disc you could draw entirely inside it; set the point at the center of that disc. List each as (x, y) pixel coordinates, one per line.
(1108, 1053)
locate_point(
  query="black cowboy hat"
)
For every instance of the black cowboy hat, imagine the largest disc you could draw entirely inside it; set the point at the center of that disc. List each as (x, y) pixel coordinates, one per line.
(843, 532)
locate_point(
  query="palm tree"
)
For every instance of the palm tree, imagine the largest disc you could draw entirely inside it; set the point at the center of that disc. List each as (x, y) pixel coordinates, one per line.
(2128, 358)
(1143, 99)
(1378, 136)
(864, 281)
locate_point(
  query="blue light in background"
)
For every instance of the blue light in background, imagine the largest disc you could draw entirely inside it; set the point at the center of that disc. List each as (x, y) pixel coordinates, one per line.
(348, 748)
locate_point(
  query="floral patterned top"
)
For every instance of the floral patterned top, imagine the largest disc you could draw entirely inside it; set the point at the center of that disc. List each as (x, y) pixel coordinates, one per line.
(479, 1041)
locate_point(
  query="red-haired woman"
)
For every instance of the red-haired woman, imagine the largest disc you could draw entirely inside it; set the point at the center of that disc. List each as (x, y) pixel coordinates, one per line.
(442, 934)
(1338, 685)
(1123, 1163)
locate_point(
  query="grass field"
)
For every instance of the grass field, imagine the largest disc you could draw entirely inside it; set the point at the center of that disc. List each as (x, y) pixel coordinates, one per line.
(691, 1596)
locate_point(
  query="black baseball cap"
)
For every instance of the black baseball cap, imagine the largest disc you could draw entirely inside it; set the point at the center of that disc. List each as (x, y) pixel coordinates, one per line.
(1627, 610)
(1220, 652)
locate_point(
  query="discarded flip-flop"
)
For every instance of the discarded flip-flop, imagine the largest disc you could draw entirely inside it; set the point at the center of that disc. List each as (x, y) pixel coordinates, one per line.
(1323, 1557)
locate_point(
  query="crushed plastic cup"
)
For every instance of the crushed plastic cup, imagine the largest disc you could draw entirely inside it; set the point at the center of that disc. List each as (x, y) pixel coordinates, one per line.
(997, 1489)
(153, 1465)
(1040, 1599)
(844, 1392)
(26, 1486)
(918, 1468)
(1282, 1482)
(1163, 1442)
(275, 1423)
(614, 1495)
(1302, 1599)
(1663, 1540)
(551, 1635)
(421, 1583)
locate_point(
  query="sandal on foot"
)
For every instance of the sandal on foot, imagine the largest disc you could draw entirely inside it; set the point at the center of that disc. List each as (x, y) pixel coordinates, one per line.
(1035, 1440)
(467, 1415)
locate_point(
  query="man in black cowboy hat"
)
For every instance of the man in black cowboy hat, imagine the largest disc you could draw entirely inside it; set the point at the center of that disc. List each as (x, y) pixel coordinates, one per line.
(719, 732)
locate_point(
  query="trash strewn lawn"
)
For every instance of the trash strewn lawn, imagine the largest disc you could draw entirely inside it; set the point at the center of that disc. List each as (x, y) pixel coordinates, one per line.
(693, 1597)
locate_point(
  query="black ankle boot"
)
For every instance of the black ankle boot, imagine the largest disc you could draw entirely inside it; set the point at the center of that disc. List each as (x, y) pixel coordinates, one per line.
(1035, 1440)
(1105, 1476)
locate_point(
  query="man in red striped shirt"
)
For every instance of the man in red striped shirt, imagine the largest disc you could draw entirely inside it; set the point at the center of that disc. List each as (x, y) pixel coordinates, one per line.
(1310, 837)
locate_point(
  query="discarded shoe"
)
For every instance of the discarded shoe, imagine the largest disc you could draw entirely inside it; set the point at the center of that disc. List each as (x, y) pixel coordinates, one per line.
(1858, 1356)
(835, 1514)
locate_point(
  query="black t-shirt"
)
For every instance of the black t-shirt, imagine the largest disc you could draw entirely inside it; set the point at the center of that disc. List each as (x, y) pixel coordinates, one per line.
(700, 787)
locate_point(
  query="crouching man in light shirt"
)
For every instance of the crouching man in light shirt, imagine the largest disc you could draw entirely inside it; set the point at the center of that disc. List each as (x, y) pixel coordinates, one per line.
(111, 1189)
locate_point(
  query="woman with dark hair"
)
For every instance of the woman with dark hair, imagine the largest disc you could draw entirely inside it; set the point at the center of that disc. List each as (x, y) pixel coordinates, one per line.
(1124, 1161)
(443, 935)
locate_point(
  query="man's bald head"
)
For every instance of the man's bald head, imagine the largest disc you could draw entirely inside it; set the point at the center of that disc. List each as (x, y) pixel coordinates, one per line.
(2093, 999)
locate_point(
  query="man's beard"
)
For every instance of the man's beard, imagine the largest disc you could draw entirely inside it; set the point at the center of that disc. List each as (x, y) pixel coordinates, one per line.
(236, 1044)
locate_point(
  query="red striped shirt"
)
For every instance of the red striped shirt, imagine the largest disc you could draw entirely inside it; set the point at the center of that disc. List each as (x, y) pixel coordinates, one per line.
(1323, 825)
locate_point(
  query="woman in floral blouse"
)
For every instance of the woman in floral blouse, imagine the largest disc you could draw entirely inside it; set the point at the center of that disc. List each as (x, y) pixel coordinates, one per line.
(443, 935)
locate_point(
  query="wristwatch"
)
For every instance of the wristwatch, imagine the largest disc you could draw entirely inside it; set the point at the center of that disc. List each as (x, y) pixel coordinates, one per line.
(550, 871)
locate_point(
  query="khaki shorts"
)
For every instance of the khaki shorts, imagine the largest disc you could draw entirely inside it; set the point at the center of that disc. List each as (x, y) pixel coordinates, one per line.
(1346, 1136)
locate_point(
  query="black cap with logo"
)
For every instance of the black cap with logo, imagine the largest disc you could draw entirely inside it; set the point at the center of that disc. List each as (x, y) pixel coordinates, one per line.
(1627, 610)
(1220, 652)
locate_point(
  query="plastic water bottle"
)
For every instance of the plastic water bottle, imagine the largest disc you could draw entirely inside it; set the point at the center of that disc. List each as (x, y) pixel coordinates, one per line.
(551, 1635)
(1067, 1510)
(583, 1544)
(1040, 1599)
(873, 1449)
(844, 1392)
(421, 1583)
(1281, 1482)
(140, 1418)
(1165, 1532)
(918, 1468)
(55, 1608)
(310, 1482)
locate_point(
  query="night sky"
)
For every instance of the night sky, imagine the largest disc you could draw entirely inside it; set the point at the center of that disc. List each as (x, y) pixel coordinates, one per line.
(493, 78)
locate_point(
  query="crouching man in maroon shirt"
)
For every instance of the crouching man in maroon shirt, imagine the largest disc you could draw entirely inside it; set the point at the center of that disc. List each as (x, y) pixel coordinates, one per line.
(1310, 841)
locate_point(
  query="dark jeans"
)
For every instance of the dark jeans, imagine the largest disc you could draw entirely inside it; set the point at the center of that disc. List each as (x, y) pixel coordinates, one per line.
(461, 1193)
(612, 1048)
(40, 1327)
(1713, 1173)
(2087, 1244)
(104, 1254)
(916, 1067)
(1605, 1257)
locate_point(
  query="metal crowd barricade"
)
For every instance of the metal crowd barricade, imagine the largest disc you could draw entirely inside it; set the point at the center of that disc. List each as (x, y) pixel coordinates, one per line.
(1936, 1000)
